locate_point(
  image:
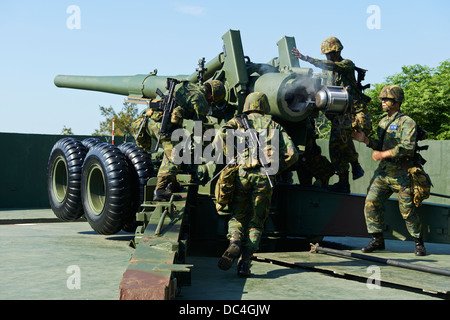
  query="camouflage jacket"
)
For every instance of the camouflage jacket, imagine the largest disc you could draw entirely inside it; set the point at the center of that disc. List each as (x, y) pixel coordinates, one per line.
(191, 100)
(269, 133)
(399, 140)
(340, 73)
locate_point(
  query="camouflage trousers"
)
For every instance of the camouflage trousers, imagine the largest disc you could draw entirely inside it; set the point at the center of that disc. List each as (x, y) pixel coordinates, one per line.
(249, 208)
(168, 170)
(341, 147)
(314, 166)
(381, 188)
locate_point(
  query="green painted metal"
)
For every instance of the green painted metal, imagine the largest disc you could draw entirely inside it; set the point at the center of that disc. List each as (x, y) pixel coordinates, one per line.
(278, 79)
(158, 267)
(60, 179)
(140, 85)
(309, 211)
(96, 190)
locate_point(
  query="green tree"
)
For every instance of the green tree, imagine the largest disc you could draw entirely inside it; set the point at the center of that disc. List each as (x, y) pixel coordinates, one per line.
(427, 97)
(323, 126)
(66, 131)
(122, 120)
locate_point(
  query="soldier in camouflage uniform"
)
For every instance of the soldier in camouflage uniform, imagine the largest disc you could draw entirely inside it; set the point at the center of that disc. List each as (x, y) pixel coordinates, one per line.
(312, 164)
(252, 196)
(193, 102)
(341, 72)
(394, 148)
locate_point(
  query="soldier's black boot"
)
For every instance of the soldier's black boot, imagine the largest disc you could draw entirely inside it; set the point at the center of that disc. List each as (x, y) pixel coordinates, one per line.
(419, 247)
(164, 195)
(357, 170)
(377, 243)
(233, 251)
(342, 185)
(243, 269)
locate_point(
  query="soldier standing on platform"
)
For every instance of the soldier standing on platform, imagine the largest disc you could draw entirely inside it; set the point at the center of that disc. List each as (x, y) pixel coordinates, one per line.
(395, 149)
(341, 72)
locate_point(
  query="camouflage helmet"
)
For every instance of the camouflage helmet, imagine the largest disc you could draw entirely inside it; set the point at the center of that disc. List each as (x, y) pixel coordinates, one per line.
(217, 89)
(256, 102)
(392, 92)
(331, 44)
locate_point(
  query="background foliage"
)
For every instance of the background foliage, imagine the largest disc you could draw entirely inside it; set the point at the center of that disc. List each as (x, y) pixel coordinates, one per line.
(122, 123)
(427, 98)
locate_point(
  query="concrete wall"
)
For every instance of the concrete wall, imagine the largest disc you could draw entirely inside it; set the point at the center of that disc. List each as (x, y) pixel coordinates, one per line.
(437, 166)
(23, 168)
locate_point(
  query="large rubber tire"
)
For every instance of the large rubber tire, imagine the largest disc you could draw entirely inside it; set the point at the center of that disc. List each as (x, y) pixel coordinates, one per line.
(64, 178)
(90, 142)
(141, 169)
(105, 188)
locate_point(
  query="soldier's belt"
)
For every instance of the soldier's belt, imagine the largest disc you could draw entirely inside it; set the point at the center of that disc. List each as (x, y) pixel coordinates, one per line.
(402, 162)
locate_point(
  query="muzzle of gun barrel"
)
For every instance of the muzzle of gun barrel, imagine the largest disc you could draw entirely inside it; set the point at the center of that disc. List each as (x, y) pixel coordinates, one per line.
(333, 99)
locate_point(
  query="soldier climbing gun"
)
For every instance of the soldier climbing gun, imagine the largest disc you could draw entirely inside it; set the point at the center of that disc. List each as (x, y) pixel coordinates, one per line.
(151, 104)
(254, 143)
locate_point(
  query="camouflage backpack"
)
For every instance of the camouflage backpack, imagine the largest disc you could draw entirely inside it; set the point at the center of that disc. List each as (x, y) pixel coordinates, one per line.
(225, 186)
(420, 185)
(143, 140)
(362, 121)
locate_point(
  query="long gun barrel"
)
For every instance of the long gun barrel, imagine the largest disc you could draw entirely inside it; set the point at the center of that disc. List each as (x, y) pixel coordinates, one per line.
(140, 85)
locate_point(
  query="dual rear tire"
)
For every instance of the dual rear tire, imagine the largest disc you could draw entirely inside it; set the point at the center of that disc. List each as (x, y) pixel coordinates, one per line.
(64, 178)
(105, 189)
(101, 182)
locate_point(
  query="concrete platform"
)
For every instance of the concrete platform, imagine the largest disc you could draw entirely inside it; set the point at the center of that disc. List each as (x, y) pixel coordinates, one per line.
(321, 276)
(274, 282)
(45, 260)
(58, 261)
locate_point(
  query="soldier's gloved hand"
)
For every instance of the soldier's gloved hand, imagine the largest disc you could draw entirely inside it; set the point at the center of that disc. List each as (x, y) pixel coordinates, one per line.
(359, 136)
(297, 54)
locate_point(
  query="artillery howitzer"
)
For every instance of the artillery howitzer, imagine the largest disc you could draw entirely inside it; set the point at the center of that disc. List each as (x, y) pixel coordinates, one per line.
(292, 96)
(113, 186)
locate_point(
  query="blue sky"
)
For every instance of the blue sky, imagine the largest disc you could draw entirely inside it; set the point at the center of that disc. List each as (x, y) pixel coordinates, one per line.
(134, 37)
